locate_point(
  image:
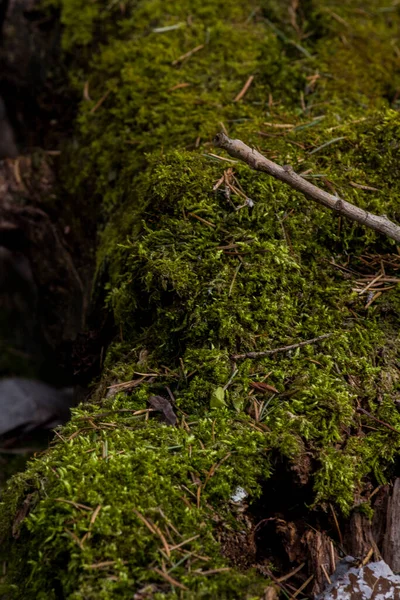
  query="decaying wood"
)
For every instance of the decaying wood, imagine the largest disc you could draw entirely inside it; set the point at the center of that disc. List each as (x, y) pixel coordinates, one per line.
(391, 543)
(322, 558)
(359, 539)
(257, 161)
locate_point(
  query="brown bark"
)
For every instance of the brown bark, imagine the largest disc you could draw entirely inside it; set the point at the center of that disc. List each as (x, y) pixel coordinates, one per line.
(322, 558)
(391, 543)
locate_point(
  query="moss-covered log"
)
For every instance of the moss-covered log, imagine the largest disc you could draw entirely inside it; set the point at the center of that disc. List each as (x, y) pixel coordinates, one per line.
(193, 272)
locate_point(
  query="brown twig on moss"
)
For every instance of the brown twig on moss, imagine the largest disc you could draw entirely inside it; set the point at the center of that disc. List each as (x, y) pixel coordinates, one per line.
(283, 349)
(257, 161)
(368, 414)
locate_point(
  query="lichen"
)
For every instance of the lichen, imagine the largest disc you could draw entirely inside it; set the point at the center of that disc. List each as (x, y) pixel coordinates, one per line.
(191, 279)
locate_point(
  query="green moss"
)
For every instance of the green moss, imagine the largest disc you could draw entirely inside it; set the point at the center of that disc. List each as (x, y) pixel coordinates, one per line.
(136, 467)
(192, 279)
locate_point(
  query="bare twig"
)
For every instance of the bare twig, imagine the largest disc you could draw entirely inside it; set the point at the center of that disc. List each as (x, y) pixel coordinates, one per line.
(257, 161)
(283, 349)
(365, 412)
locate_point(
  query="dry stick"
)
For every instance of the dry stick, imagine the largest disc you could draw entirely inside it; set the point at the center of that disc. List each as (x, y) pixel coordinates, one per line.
(283, 349)
(365, 412)
(257, 161)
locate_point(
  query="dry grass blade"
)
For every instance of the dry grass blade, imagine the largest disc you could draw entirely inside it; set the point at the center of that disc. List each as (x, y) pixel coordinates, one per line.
(179, 86)
(144, 520)
(213, 571)
(245, 88)
(163, 540)
(95, 514)
(126, 384)
(303, 586)
(372, 283)
(375, 297)
(223, 158)
(292, 10)
(326, 574)
(263, 387)
(216, 466)
(184, 542)
(202, 220)
(188, 54)
(154, 529)
(74, 504)
(104, 564)
(291, 574)
(100, 102)
(367, 188)
(170, 579)
(368, 557)
(336, 525)
(283, 349)
(234, 278)
(280, 125)
(73, 536)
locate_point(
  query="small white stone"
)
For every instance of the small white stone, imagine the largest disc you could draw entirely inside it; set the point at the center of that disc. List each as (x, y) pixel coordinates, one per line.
(239, 494)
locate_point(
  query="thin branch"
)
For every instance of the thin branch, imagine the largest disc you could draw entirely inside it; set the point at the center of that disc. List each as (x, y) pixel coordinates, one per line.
(365, 412)
(283, 349)
(257, 161)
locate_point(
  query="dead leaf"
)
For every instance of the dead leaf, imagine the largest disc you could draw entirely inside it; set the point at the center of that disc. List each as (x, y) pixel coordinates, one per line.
(164, 406)
(23, 512)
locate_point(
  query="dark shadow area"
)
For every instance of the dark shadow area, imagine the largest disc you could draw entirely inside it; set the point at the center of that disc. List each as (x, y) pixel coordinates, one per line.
(51, 346)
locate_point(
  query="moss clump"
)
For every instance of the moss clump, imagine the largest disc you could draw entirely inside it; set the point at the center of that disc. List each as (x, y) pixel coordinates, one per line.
(191, 279)
(137, 470)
